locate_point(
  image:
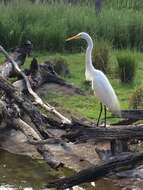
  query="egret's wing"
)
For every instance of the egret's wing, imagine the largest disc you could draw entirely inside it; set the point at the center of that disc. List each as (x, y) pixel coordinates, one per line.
(105, 93)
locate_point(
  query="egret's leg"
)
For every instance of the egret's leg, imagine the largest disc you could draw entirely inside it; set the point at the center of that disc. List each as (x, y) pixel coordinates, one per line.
(105, 111)
(99, 114)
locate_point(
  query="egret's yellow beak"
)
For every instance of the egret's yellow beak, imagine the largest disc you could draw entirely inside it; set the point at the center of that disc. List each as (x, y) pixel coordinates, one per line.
(73, 38)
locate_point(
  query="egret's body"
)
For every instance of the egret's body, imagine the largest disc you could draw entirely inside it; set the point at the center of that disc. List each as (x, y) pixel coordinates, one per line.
(100, 84)
(105, 93)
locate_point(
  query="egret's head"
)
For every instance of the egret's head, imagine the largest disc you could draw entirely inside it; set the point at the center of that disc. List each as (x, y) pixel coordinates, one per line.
(81, 35)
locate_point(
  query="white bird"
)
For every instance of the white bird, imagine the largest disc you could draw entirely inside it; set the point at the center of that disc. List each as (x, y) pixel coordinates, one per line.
(100, 83)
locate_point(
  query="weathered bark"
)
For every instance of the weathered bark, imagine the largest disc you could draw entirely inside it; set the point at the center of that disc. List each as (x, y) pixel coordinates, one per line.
(13, 120)
(23, 102)
(116, 164)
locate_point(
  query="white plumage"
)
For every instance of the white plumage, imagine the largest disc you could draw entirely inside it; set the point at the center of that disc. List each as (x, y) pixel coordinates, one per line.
(105, 93)
(100, 84)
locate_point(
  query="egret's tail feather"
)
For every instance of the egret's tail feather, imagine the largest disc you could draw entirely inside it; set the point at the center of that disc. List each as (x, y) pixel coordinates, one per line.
(116, 109)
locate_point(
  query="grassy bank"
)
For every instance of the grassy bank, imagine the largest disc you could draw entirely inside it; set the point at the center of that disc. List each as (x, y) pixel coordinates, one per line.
(88, 106)
(47, 25)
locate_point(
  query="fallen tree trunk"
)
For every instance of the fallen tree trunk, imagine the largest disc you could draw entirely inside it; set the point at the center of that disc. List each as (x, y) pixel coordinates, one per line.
(116, 164)
(82, 133)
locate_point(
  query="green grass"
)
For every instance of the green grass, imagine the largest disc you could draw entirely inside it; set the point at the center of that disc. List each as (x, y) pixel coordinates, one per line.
(88, 106)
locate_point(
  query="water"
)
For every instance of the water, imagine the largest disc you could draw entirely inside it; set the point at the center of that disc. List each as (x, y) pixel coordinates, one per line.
(23, 173)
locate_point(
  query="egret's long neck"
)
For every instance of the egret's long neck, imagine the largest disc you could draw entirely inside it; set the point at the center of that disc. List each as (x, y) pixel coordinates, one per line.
(89, 66)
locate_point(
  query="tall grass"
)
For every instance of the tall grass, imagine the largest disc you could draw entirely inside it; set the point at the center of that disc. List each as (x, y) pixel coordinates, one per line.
(47, 25)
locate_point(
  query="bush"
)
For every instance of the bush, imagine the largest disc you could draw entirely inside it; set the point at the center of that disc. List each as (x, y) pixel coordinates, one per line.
(60, 66)
(126, 67)
(101, 55)
(136, 101)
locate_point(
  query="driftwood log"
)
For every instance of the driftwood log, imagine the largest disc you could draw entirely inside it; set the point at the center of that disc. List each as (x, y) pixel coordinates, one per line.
(84, 133)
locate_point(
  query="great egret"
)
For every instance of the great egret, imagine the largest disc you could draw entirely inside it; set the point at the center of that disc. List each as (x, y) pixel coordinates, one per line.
(100, 84)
